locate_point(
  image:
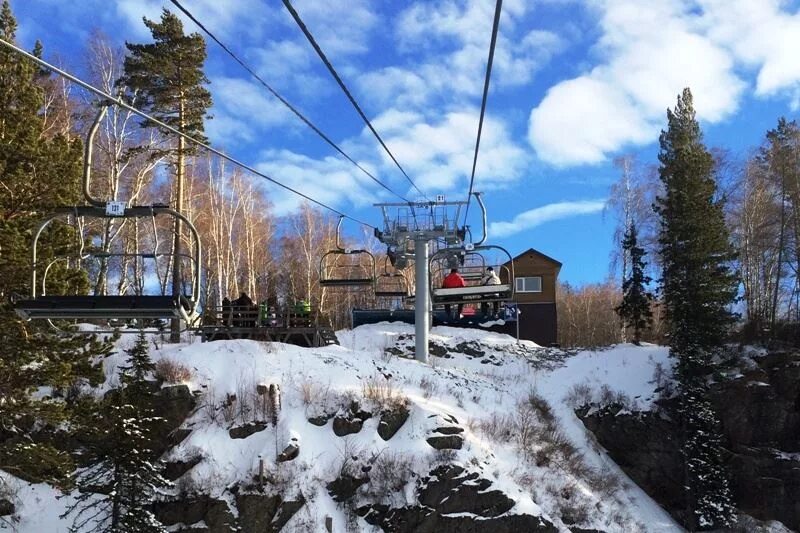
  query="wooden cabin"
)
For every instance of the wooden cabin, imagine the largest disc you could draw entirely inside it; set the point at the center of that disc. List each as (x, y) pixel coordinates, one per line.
(535, 276)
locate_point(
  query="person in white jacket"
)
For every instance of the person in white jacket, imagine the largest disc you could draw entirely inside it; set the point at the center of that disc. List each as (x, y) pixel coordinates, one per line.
(490, 278)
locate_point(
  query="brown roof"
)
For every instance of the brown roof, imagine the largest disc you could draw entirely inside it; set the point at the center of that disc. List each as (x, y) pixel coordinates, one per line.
(540, 254)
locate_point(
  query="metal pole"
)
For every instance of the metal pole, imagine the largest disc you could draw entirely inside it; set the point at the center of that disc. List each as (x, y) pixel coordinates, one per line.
(422, 313)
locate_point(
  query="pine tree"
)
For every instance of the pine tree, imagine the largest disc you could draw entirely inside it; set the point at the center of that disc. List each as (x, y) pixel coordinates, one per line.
(38, 173)
(635, 307)
(698, 287)
(117, 491)
(168, 78)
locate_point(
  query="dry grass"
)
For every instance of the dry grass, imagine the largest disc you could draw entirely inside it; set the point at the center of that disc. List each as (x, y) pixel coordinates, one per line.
(171, 371)
(382, 393)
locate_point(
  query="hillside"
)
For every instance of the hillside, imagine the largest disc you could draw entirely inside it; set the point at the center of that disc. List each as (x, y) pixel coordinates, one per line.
(483, 438)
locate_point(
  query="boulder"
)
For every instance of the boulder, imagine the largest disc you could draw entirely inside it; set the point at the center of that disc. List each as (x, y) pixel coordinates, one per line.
(6, 507)
(344, 487)
(447, 442)
(175, 469)
(289, 453)
(262, 512)
(242, 432)
(392, 420)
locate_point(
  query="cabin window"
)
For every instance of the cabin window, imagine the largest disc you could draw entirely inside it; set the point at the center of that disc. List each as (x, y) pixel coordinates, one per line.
(529, 284)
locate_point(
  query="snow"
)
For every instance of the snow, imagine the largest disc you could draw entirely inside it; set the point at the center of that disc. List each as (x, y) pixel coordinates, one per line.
(314, 381)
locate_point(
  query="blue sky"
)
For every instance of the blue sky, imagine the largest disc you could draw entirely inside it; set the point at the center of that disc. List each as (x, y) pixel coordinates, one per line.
(575, 84)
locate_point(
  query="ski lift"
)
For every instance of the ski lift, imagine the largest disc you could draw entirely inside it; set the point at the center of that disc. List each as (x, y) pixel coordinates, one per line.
(472, 260)
(345, 267)
(391, 284)
(42, 305)
(475, 269)
(111, 308)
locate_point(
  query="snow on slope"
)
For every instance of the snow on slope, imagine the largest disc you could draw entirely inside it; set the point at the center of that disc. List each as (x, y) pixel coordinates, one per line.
(474, 389)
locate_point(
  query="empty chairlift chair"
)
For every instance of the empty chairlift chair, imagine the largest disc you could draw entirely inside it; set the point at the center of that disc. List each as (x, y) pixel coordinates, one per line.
(391, 284)
(346, 267)
(42, 305)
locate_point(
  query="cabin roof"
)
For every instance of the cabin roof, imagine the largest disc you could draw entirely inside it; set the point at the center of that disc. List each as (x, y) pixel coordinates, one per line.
(547, 258)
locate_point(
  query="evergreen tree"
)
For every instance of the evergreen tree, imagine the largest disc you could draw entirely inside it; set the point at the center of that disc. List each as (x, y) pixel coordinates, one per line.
(168, 78)
(117, 491)
(698, 287)
(38, 173)
(635, 307)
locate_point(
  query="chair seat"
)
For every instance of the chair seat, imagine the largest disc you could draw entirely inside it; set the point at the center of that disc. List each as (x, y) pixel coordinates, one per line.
(102, 307)
(478, 293)
(356, 282)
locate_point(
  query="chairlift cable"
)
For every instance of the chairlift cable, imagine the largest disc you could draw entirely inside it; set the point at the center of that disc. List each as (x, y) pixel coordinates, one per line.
(120, 102)
(283, 100)
(495, 28)
(350, 97)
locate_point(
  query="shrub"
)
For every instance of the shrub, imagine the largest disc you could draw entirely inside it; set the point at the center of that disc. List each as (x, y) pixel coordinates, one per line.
(389, 473)
(579, 395)
(381, 392)
(171, 371)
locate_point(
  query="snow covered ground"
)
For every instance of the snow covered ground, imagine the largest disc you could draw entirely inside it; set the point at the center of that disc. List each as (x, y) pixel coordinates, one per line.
(481, 380)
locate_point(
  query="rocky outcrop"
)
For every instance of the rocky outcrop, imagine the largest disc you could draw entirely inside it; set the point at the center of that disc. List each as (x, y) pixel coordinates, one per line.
(215, 513)
(454, 500)
(759, 412)
(260, 512)
(254, 512)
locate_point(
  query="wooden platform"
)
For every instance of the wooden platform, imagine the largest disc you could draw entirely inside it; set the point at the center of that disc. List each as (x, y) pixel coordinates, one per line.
(312, 336)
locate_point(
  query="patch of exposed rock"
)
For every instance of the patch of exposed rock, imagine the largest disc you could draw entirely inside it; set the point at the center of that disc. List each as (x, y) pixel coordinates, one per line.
(454, 500)
(759, 412)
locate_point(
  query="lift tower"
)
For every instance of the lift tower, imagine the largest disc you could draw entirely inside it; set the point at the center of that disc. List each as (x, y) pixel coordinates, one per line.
(408, 230)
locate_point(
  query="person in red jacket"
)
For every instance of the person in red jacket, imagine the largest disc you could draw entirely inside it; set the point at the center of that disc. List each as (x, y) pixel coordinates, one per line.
(452, 281)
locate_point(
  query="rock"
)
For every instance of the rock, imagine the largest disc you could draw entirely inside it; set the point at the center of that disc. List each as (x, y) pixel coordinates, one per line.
(449, 489)
(289, 453)
(350, 421)
(175, 403)
(449, 430)
(286, 511)
(437, 350)
(6, 507)
(470, 349)
(759, 413)
(177, 436)
(256, 510)
(261, 389)
(175, 469)
(392, 420)
(448, 442)
(242, 432)
(219, 518)
(453, 500)
(343, 488)
(345, 426)
(320, 420)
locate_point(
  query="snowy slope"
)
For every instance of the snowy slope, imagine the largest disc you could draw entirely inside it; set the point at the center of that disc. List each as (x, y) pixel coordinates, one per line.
(481, 380)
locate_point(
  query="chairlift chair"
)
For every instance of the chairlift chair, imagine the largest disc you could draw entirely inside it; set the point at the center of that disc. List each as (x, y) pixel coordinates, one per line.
(474, 293)
(391, 284)
(41, 305)
(50, 307)
(337, 268)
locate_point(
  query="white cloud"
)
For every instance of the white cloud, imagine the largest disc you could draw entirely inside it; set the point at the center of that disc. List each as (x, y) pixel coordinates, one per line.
(763, 36)
(547, 213)
(330, 180)
(445, 45)
(242, 109)
(438, 154)
(652, 51)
